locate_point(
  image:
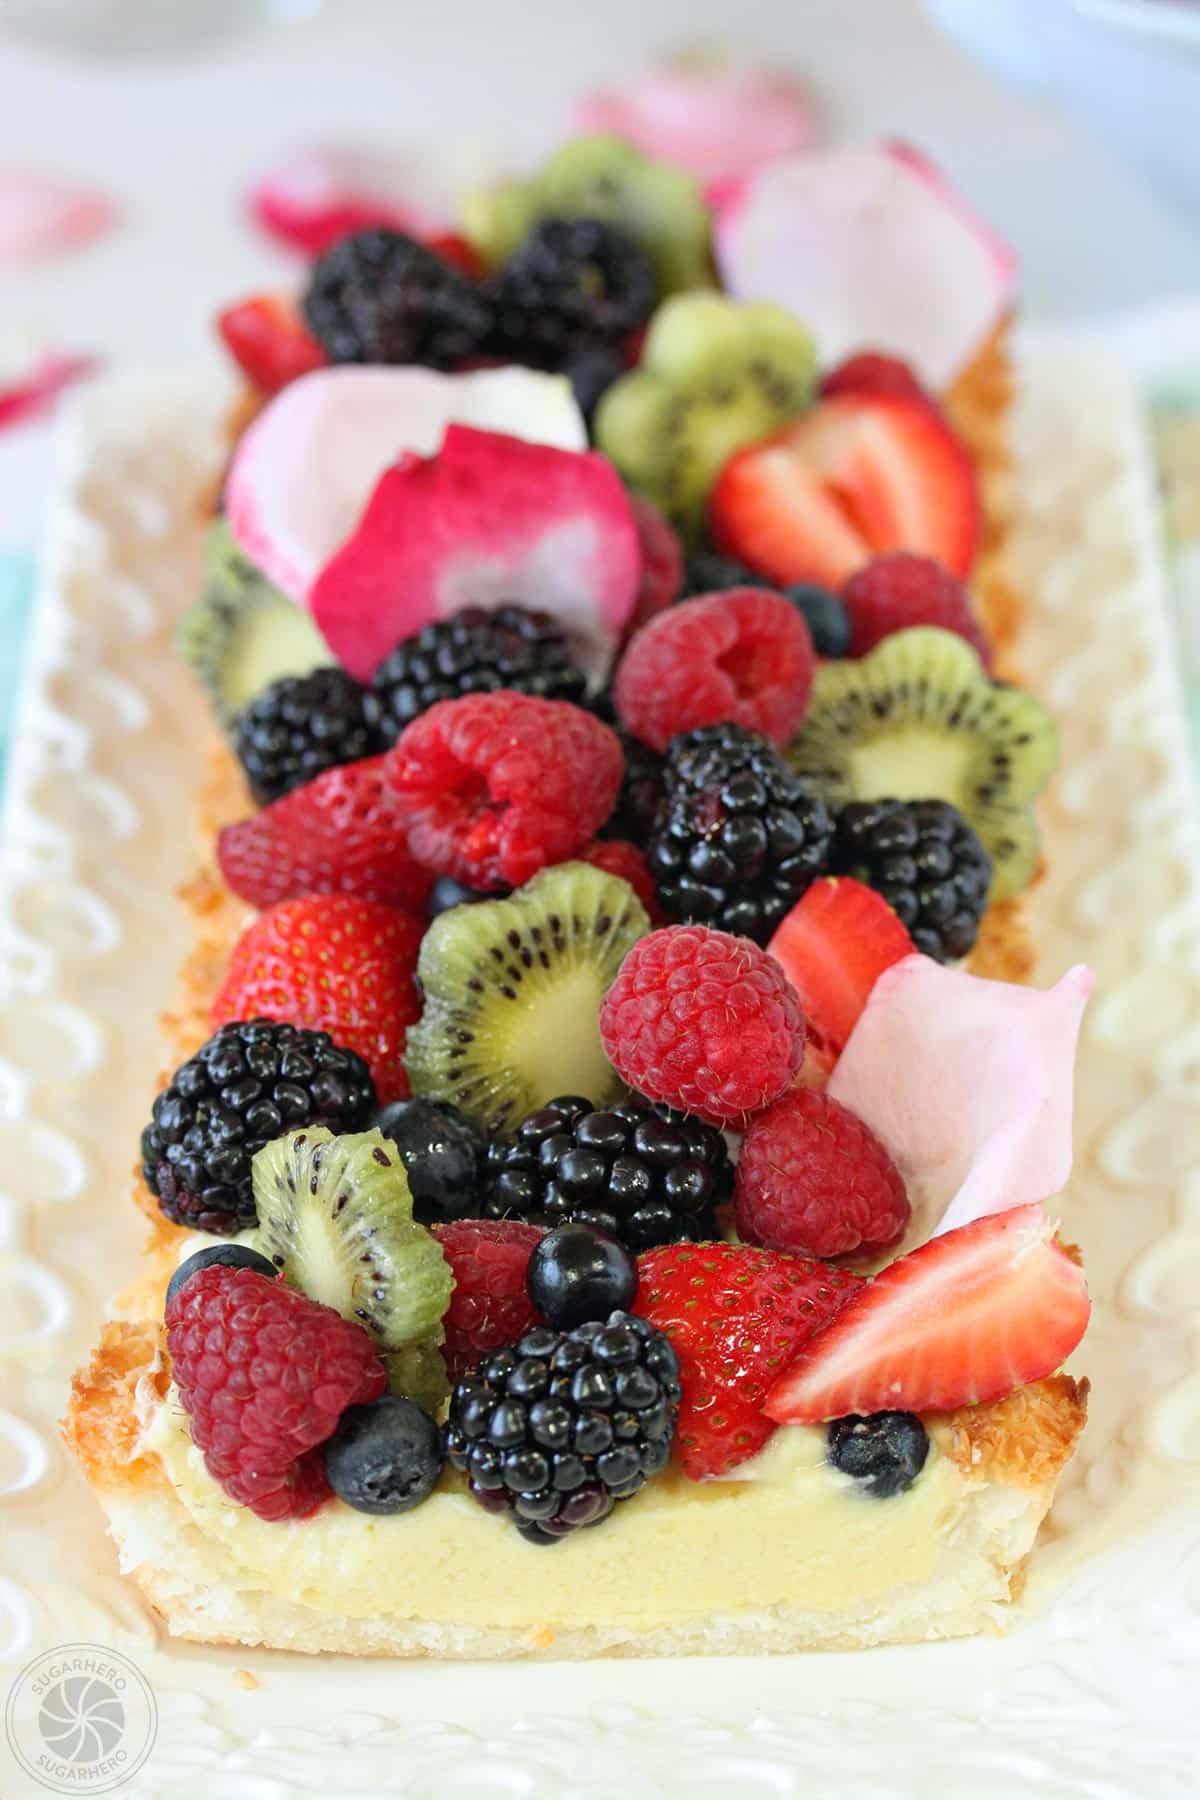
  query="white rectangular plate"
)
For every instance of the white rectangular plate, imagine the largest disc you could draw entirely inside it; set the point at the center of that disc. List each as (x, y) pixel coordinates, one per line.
(1093, 1692)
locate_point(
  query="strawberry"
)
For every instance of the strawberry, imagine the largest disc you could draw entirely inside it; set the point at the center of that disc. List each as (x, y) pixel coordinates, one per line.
(269, 342)
(858, 473)
(332, 963)
(966, 1318)
(834, 945)
(342, 833)
(736, 1316)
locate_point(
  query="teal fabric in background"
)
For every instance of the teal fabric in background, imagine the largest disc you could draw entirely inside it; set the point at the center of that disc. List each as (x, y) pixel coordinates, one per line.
(16, 600)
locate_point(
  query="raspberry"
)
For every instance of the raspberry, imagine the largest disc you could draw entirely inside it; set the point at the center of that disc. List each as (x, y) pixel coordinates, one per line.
(498, 786)
(490, 1307)
(662, 562)
(705, 1022)
(335, 964)
(617, 857)
(341, 834)
(813, 1178)
(901, 589)
(735, 1316)
(871, 372)
(743, 656)
(264, 1374)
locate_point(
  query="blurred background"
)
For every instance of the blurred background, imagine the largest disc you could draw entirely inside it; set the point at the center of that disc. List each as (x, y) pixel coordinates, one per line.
(131, 132)
(170, 106)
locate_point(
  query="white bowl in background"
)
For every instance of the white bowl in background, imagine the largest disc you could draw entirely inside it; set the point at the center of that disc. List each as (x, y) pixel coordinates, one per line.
(1130, 68)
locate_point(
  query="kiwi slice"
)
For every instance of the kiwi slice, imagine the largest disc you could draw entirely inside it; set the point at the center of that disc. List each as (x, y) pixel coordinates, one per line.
(660, 207)
(715, 376)
(919, 719)
(418, 1372)
(335, 1215)
(242, 633)
(512, 995)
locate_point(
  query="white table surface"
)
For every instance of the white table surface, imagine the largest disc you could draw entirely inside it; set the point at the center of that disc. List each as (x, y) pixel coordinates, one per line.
(175, 142)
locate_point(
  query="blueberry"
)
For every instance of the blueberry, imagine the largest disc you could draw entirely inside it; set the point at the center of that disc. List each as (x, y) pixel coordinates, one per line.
(442, 1153)
(576, 1274)
(825, 617)
(591, 369)
(229, 1256)
(447, 893)
(886, 1451)
(385, 1457)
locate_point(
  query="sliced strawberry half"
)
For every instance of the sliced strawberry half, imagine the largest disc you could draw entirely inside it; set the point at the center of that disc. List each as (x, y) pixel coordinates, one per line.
(268, 340)
(966, 1318)
(736, 1315)
(859, 473)
(834, 945)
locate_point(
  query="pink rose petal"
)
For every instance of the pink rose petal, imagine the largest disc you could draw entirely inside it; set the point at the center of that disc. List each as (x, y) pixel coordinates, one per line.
(870, 246)
(488, 520)
(314, 196)
(969, 1084)
(306, 467)
(44, 215)
(715, 122)
(32, 393)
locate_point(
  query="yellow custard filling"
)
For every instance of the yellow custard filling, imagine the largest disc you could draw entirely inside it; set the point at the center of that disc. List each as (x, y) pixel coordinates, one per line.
(790, 1531)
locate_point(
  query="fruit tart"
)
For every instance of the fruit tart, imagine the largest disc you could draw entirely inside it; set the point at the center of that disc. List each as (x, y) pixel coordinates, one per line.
(602, 1190)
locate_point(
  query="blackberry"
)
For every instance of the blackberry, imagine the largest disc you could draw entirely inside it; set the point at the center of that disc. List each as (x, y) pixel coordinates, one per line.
(380, 297)
(641, 1173)
(475, 652)
(738, 837)
(641, 784)
(927, 863)
(886, 1451)
(564, 1424)
(252, 1081)
(300, 726)
(571, 284)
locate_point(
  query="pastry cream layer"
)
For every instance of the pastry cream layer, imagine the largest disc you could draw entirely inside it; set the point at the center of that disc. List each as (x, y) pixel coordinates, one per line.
(791, 1531)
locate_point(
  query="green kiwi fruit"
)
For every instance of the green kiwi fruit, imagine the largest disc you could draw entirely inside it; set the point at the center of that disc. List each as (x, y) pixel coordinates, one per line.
(660, 207)
(512, 995)
(418, 1372)
(919, 719)
(335, 1215)
(242, 633)
(715, 375)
